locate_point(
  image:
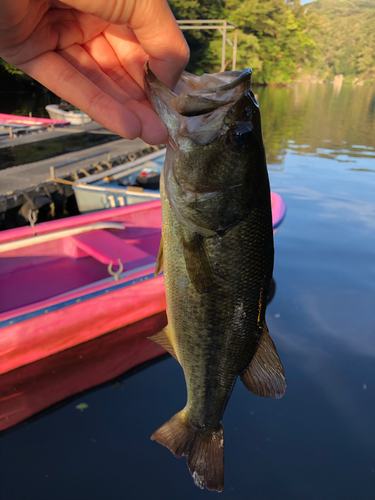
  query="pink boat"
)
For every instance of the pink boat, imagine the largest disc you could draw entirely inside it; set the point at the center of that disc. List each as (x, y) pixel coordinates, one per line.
(12, 124)
(68, 281)
(6, 119)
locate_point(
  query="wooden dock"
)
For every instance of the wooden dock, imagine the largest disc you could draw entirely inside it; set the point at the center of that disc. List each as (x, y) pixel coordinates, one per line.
(26, 187)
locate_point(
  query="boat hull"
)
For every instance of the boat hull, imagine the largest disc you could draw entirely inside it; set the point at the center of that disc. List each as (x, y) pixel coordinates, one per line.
(49, 331)
(55, 113)
(107, 190)
(55, 294)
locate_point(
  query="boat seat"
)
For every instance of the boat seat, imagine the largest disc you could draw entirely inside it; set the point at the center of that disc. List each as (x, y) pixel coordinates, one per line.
(108, 248)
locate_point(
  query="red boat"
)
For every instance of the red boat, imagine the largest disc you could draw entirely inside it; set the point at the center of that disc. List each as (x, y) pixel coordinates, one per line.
(61, 313)
(61, 283)
(14, 124)
(67, 281)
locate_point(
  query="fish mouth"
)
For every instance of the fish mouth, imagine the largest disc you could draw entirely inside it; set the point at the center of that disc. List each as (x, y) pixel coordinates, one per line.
(197, 107)
(209, 92)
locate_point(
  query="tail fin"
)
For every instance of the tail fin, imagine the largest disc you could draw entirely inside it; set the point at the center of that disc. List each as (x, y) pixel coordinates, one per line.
(204, 450)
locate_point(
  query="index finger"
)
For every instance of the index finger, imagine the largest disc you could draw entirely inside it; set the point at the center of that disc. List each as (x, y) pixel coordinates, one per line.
(161, 38)
(155, 28)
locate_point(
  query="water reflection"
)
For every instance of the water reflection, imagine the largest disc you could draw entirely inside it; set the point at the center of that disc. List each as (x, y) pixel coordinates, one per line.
(335, 351)
(305, 117)
(30, 389)
(362, 169)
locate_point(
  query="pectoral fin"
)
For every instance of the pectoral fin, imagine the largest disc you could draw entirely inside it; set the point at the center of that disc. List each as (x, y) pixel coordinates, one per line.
(162, 338)
(265, 375)
(197, 264)
(160, 258)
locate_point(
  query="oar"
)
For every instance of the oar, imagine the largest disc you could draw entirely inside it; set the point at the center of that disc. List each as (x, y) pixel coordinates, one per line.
(35, 240)
(130, 190)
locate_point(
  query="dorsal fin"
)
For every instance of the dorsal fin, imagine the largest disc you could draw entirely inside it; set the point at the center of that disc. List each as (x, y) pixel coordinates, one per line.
(265, 375)
(162, 338)
(160, 258)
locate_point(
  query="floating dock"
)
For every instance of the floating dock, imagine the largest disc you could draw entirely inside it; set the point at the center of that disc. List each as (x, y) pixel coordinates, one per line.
(33, 191)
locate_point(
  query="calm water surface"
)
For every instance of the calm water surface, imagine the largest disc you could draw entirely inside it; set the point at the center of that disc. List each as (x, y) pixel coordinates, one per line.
(38, 151)
(318, 441)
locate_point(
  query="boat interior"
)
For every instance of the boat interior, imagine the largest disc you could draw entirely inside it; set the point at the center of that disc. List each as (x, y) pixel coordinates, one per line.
(36, 272)
(133, 176)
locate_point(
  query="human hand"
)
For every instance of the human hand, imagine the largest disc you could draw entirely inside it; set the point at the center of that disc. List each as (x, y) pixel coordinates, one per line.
(92, 52)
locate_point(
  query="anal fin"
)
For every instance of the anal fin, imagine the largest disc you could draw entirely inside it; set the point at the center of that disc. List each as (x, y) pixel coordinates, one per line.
(265, 375)
(162, 338)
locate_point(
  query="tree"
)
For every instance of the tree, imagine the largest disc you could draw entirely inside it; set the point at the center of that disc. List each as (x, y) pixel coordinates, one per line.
(272, 40)
(344, 34)
(202, 53)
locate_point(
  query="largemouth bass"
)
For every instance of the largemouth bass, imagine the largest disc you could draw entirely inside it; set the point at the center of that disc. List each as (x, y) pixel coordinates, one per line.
(217, 255)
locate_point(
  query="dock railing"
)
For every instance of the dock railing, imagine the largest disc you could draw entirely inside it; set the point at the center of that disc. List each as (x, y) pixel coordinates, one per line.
(221, 25)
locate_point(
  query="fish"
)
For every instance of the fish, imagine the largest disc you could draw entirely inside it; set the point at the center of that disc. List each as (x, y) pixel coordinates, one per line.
(217, 256)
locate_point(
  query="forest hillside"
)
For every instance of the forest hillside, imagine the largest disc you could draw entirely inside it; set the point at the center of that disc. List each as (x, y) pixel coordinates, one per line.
(284, 40)
(281, 40)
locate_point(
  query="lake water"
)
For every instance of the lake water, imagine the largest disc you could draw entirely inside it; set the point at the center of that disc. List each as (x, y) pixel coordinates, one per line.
(318, 441)
(51, 148)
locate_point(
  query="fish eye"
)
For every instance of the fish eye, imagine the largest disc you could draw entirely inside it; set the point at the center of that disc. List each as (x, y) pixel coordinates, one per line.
(241, 135)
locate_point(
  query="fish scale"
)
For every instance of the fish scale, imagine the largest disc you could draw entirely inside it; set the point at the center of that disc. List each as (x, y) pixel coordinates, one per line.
(212, 315)
(217, 256)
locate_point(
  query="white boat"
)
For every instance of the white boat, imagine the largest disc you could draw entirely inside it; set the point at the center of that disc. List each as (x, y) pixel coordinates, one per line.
(136, 181)
(74, 117)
